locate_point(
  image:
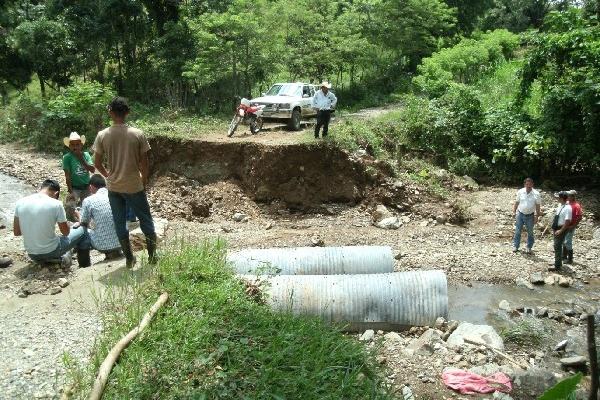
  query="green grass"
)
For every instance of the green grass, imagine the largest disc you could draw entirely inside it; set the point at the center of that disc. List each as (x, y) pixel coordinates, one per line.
(525, 333)
(211, 341)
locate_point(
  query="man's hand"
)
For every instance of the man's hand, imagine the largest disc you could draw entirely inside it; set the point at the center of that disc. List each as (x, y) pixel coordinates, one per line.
(535, 219)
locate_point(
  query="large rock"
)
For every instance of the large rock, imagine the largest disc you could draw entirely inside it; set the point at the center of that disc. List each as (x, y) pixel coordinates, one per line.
(537, 278)
(492, 368)
(532, 383)
(5, 262)
(425, 344)
(522, 282)
(480, 333)
(380, 213)
(470, 182)
(573, 362)
(138, 240)
(367, 336)
(388, 223)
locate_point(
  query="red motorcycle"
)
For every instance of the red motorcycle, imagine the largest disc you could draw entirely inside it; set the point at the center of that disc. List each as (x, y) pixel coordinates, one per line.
(247, 115)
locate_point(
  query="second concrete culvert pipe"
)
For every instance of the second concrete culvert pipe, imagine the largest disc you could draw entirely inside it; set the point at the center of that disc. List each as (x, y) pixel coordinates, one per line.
(313, 260)
(392, 301)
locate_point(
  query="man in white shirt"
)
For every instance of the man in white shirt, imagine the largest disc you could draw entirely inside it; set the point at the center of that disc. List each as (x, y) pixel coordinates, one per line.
(36, 217)
(560, 226)
(324, 102)
(526, 211)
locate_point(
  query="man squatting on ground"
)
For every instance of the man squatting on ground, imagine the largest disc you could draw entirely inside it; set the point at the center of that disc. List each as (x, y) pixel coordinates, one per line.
(324, 102)
(526, 211)
(35, 219)
(125, 150)
(577, 214)
(96, 213)
(560, 227)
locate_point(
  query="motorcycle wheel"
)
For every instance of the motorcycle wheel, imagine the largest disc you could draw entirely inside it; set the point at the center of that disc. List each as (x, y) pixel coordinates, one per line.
(233, 125)
(256, 125)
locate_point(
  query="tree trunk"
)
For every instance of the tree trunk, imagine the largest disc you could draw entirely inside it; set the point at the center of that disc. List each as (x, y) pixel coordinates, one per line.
(120, 69)
(42, 85)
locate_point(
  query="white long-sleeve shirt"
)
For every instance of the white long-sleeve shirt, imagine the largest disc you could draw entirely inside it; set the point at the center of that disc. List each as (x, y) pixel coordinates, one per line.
(324, 101)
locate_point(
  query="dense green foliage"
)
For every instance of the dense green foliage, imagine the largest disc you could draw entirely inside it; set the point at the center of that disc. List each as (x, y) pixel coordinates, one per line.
(43, 123)
(466, 62)
(202, 54)
(485, 114)
(213, 341)
(565, 60)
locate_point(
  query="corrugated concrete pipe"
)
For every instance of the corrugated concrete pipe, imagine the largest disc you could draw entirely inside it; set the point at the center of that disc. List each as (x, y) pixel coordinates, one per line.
(392, 301)
(313, 260)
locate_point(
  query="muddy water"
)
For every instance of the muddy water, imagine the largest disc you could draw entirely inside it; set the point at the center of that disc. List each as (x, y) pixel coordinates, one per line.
(11, 190)
(479, 303)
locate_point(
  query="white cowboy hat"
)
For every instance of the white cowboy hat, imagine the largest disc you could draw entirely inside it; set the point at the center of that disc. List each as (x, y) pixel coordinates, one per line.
(74, 136)
(326, 84)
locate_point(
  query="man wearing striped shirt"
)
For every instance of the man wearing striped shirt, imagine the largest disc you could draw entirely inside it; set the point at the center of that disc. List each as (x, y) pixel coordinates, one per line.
(96, 215)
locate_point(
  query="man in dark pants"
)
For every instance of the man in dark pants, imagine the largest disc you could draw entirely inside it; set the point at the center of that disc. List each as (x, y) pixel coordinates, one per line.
(324, 102)
(560, 226)
(126, 152)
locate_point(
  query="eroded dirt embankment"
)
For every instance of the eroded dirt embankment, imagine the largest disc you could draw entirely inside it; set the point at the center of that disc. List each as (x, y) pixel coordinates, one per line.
(301, 175)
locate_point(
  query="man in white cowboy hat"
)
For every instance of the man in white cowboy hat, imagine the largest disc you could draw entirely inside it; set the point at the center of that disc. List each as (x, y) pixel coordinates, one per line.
(324, 101)
(77, 165)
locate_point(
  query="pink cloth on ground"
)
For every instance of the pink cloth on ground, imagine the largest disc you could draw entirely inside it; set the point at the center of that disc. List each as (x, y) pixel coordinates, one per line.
(469, 383)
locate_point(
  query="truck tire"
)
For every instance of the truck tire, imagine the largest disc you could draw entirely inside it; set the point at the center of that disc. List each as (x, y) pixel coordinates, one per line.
(294, 123)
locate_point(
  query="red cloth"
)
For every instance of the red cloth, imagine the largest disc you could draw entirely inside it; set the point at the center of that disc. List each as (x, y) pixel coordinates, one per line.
(577, 212)
(249, 109)
(466, 382)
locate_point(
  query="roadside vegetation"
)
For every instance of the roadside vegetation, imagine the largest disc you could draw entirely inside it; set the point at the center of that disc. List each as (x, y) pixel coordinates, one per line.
(214, 341)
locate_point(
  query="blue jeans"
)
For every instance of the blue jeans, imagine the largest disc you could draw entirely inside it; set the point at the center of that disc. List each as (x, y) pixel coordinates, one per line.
(130, 214)
(76, 237)
(139, 204)
(526, 220)
(569, 239)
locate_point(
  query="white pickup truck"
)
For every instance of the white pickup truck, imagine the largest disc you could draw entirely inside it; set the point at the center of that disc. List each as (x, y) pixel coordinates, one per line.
(288, 101)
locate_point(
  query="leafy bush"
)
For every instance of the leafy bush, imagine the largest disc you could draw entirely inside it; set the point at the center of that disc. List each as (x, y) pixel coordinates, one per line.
(564, 60)
(81, 107)
(464, 62)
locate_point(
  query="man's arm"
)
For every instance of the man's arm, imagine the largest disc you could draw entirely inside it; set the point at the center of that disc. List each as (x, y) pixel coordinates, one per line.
(86, 162)
(69, 183)
(64, 228)
(515, 206)
(333, 100)
(144, 169)
(538, 211)
(98, 159)
(563, 228)
(16, 227)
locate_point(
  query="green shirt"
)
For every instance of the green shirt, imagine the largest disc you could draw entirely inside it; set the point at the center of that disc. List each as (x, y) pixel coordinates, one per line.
(80, 177)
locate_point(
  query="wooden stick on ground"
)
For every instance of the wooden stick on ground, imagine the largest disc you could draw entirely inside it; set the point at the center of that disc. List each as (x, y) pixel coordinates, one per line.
(591, 342)
(502, 354)
(121, 345)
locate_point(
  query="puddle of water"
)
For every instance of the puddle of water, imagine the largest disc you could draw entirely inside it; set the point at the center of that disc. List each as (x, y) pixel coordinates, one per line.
(11, 190)
(478, 304)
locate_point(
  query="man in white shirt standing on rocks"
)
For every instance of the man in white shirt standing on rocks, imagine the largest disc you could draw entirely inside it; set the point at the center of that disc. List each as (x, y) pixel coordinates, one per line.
(324, 102)
(526, 211)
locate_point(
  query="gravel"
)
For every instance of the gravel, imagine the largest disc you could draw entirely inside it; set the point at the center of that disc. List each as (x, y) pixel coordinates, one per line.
(34, 342)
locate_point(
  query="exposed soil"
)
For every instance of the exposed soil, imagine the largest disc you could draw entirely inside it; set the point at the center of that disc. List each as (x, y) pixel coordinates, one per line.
(307, 194)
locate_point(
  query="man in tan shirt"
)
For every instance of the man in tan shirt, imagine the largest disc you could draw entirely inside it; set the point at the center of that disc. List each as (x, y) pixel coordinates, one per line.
(125, 151)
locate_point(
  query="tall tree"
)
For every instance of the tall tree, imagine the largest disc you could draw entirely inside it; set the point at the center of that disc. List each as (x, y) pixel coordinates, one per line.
(45, 45)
